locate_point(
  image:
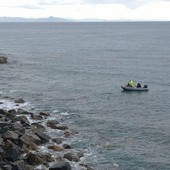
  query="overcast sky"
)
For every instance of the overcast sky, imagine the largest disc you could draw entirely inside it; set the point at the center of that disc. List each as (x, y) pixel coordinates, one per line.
(87, 9)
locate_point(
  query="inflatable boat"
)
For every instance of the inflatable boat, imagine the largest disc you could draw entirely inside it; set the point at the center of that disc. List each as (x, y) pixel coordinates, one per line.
(128, 88)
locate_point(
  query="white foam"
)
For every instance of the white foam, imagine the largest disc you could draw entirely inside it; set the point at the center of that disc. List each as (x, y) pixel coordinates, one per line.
(8, 104)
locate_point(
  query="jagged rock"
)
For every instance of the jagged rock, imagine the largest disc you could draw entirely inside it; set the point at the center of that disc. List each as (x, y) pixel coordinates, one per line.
(11, 135)
(56, 148)
(18, 165)
(18, 128)
(12, 154)
(52, 123)
(20, 100)
(58, 140)
(23, 112)
(34, 159)
(38, 158)
(60, 166)
(36, 117)
(61, 127)
(3, 60)
(44, 114)
(66, 146)
(71, 157)
(9, 144)
(32, 146)
(3, 112)
(24, 121)
(36, 127)
(30, 138)
(43, 136)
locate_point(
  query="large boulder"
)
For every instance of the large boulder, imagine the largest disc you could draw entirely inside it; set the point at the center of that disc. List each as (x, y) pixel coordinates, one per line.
(30, 138)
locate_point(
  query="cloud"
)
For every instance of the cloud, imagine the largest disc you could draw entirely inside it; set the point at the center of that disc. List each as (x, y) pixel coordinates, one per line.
(82, 9)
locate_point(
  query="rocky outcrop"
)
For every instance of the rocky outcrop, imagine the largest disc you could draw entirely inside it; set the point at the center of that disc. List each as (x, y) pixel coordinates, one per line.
(20, 142)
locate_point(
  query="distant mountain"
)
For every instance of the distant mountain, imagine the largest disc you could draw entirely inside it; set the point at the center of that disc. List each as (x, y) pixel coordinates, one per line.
(19, 19)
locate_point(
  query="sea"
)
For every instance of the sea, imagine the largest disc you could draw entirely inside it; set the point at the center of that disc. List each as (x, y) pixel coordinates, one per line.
(76, 70)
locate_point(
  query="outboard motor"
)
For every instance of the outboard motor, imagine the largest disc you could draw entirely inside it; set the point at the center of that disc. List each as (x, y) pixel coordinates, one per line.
(145, 86)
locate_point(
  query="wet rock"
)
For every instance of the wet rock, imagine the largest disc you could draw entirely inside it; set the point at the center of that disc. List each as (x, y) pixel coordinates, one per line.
(61, 166)
(36, 127)
(18, 165)
(30, 138)
(43, 136)
(72, 157)
(20, 100)
(56, 148)
(59, 127)
(52, 124)
(32, 146)
(24, 112)
(23, 120)
(66, 146)
(35, 159)
(3, 59)
(36, 117)
(44, 114)
(38, 158)
(58, 140)
(9, 144)
(18, 128)
(12, 154)
(3, 112)
(11, 135)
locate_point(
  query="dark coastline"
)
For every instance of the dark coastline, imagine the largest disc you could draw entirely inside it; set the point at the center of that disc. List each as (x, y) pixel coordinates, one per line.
(20, 142)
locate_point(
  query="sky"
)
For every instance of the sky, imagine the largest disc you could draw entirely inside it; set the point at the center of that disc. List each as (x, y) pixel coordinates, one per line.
(88, 9)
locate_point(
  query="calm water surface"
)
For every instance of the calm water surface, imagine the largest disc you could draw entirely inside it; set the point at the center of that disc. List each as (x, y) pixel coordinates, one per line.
(78, 68)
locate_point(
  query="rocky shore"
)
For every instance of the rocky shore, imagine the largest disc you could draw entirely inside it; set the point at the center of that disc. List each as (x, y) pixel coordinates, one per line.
(23, 134)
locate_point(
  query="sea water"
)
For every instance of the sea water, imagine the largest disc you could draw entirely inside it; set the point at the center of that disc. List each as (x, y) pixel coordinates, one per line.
(76, 70)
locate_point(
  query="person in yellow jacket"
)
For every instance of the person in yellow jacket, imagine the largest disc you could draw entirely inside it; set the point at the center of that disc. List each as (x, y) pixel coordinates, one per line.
(130, 83)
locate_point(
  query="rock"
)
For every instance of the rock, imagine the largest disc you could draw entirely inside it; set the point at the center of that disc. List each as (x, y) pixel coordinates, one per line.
(52, 123)
(66, 146)
(60, 166)
(18, 128)
(3, 112)
(23, 112)
(18, 165)
(43, 136)
(29, 167)
(36, 117)
(1, 140)
(9, 144)
(22, 119)
(34, 159)
(20, 100)
(36, 127)
(3, 59)
(55, 148)
(38, 158)
(11, 135)
(44, 114)
(12, 154)
(71, 157)
(62, 127)
(58, 140)
(32, 146)
(30, 138)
